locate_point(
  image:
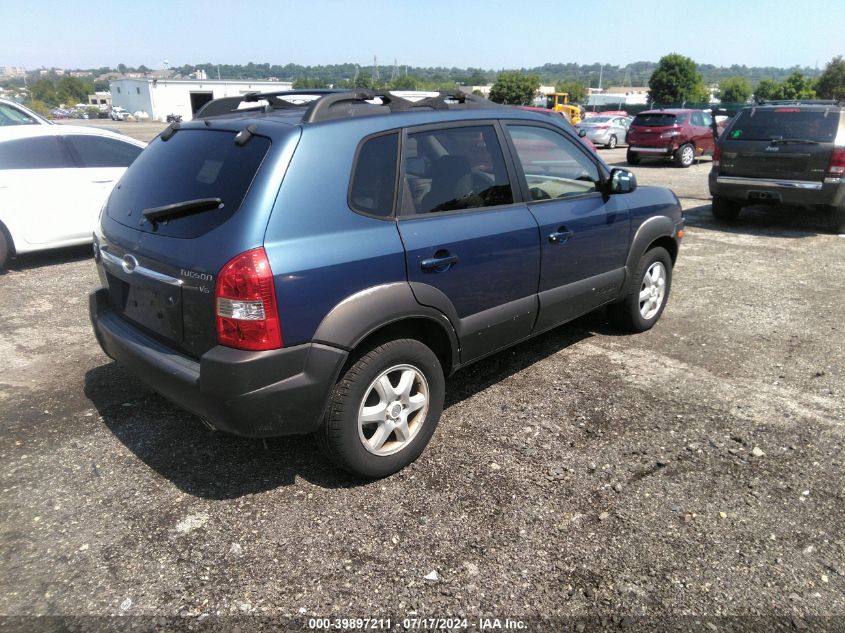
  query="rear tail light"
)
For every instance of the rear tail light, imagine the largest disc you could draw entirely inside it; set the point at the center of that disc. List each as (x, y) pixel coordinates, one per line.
(837, 162)
(604, 127)
(717, 155)
(247, 315)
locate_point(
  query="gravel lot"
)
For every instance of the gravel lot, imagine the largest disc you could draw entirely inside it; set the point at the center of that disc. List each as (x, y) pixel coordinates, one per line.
(684, 475)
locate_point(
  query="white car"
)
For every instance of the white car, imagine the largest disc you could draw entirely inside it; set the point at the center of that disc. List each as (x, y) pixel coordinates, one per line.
(54, 179)
(119, 114)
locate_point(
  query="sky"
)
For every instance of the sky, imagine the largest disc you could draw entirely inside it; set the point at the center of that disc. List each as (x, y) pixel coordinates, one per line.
(487, 34)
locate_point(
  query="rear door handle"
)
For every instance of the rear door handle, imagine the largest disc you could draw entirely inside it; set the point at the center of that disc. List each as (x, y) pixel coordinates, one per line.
(441, 261)
(561, 235)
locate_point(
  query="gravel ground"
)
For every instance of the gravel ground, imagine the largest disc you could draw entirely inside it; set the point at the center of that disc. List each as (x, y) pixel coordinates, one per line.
(677, 478)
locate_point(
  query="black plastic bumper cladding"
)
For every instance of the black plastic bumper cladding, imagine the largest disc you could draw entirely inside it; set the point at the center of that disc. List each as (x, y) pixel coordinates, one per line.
(255, 394)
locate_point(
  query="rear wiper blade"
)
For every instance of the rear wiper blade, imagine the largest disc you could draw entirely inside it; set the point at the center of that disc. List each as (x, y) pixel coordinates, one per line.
(786, 141)
(186, 207)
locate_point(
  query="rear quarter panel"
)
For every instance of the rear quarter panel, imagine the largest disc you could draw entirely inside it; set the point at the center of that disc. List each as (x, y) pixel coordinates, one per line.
(321, 251)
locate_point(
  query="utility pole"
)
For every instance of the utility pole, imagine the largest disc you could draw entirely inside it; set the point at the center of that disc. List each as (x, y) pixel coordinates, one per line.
(375, 76)
(601, 71)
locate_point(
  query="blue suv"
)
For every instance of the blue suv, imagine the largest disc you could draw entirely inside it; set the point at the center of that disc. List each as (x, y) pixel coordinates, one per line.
(292, 263)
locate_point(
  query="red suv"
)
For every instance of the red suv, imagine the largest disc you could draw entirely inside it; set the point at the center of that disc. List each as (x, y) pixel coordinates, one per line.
(678, 134)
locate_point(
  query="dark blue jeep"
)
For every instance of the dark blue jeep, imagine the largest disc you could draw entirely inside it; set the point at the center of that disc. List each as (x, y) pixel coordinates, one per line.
(318, 262)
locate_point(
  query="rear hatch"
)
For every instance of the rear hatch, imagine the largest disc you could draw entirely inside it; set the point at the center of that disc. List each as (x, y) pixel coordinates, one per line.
(789, 143)
(184, 209)
(652, 129)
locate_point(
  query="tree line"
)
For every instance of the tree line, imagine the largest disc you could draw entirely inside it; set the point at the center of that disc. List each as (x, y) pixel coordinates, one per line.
(676, 79)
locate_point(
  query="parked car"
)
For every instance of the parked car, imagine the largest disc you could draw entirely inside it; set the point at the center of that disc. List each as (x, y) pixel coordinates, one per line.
(54, 180)
(322, 268)
(13, 113)
(119, 114)
(682, 135)
(783, 153)
(608, 131)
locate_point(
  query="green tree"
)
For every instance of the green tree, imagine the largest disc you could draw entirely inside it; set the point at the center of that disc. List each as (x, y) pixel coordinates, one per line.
(306, 82)
(73, 90)
(734, 90)
(121, 68)
(831, 84)
(768, 89)
(405, 82)
(45, 91)
(40, 107)
(797, 86)
(676, 80)
(515, 88)
(577, 92)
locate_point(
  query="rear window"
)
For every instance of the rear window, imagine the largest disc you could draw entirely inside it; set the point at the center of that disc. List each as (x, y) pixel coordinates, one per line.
(657, 119)
(191, 165)
(758, 124)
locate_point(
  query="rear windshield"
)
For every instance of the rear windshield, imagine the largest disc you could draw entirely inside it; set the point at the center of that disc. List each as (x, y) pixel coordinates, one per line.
(191, 165)
(657, 119)
(758, 124)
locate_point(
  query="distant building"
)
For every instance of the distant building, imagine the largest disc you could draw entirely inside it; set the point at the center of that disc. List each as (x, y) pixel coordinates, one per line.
(100, 99)
(619, 96)
(11, 72)
(160, 97)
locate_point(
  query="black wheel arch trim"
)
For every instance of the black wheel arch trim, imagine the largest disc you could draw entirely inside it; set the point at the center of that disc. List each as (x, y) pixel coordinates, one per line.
(648, 232)
(363, 313)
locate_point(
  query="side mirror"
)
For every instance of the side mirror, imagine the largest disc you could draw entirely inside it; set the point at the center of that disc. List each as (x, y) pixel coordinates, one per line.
(582, 133)
(622, 181)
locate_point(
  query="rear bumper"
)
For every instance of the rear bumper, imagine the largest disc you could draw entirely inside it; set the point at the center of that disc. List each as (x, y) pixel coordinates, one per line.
(831, 192)
(642, 149)
(255, 394)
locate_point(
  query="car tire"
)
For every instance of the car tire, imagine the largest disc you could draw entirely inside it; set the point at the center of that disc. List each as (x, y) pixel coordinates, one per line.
(401, 382)
(724, 209)
(684, 155)
(611, 142)
(836, 220)
(5, 248)
(647, 293)
(632, 157)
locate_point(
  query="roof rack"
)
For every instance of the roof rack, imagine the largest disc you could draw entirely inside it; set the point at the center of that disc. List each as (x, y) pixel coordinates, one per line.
(821, 102)
(276, 100)
(334, 104)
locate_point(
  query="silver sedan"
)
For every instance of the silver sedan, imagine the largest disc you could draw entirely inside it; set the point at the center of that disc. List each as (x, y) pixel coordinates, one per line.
(607, 131)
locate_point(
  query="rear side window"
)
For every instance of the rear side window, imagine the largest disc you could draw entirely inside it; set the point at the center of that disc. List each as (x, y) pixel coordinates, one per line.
(454, 168)
(95, 151)
(39, 152)
(12, 116)
(191, 165)
(657, 119)
(785, 123)
(374, 177)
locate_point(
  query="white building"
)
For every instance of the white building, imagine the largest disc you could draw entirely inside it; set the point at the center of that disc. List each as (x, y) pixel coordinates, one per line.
(160, 97)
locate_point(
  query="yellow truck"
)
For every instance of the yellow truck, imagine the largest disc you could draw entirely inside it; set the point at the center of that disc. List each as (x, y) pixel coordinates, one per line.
(559, 102)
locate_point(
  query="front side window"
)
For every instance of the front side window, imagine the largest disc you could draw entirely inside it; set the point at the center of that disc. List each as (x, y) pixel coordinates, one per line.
(554, 167)
(39, 152)
(374, 176)
(454, 168)
(95, 151)
(697, 119)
